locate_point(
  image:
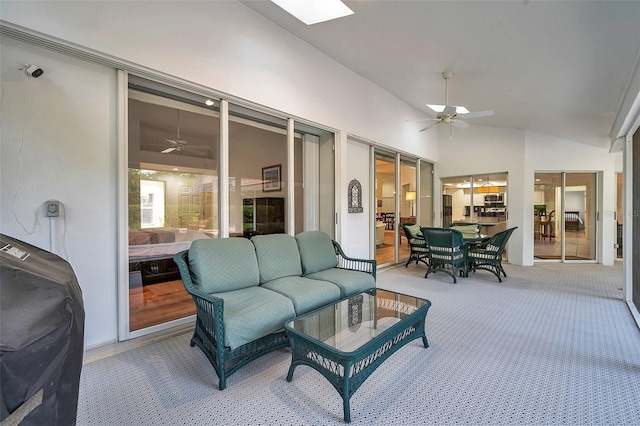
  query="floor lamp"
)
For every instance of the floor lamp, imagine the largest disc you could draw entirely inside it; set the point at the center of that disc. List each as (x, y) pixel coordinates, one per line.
(411, 196)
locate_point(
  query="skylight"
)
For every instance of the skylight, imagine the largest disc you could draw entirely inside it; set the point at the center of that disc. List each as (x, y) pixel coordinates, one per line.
(314, 11)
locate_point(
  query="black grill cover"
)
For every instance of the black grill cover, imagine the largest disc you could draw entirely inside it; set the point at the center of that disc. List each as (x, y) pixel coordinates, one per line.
(41, 335)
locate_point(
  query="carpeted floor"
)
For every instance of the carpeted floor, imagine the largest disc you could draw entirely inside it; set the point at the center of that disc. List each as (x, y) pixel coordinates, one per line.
(552, 344)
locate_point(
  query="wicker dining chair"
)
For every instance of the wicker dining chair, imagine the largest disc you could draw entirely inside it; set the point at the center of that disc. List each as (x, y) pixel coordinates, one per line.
(417, 244)
(447, 251)
(488, 254)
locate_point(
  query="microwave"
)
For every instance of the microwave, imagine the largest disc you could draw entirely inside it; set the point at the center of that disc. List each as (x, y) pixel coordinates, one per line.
(493, 198)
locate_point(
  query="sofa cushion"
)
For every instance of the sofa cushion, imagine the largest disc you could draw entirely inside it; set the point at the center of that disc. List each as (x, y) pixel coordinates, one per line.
(316, 251)
(277, 255)
(223, 264)
(306, 294)
(350, 282)
(253, 312)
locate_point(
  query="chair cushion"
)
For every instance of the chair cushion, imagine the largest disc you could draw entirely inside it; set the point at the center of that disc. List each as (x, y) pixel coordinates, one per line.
(306, 294)
(467, 229)
(223, 264)
(350, 282)
(316, 251)
(277, 255)
(414, 229)
(252, 313)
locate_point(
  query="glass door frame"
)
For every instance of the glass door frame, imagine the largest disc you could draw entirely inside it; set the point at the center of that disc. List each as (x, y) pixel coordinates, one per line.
(423, 194)
(561, 231)
(123, 79)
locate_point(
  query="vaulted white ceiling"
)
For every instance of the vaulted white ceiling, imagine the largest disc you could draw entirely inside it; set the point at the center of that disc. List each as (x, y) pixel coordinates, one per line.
(556, 67)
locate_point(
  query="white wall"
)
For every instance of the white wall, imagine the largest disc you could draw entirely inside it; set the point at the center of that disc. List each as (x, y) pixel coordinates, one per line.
(70, 138)
(61, 128)
(71, 149)
(547, 153)
(481, 149)
(228, 47)
(358, 224)
(478, 150)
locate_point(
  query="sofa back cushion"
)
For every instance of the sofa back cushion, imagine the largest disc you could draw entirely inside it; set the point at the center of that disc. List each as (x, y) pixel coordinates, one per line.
(223, 264)
(316, 252)
(277, 255)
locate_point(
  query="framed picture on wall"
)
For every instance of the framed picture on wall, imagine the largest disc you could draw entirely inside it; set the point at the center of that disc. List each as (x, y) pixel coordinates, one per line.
(271, 178)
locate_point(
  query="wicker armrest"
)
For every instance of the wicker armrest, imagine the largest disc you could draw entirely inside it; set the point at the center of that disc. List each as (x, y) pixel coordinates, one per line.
(209, 309)
(346, 262)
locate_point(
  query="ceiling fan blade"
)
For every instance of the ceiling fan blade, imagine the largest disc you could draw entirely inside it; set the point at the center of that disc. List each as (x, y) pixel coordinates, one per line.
(460, 124)
(429, 126)
(477, 114)
(177, 141)
(202, 147)
(168, 150)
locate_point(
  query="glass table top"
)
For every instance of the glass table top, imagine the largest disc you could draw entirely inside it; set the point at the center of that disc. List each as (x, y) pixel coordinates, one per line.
(351, 323)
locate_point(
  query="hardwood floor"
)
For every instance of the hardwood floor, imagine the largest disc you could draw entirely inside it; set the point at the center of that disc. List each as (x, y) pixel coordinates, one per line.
(157, 303)
(385, 252)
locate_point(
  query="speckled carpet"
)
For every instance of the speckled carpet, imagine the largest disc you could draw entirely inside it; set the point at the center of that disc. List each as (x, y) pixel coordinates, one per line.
(551, 344)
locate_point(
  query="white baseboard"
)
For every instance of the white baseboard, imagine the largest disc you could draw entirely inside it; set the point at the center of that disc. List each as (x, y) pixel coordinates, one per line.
(113, 348)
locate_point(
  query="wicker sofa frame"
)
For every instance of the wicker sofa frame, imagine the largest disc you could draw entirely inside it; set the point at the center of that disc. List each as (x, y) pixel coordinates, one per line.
(210, 331)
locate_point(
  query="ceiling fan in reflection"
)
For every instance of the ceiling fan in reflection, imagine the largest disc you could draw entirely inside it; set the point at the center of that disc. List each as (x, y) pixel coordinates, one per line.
(180, 145)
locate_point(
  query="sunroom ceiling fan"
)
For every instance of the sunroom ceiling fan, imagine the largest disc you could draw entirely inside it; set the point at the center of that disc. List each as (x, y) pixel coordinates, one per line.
(451, 114)
(179, 145)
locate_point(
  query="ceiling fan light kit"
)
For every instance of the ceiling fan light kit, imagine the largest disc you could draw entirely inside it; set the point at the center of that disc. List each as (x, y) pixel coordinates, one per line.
(452, 114)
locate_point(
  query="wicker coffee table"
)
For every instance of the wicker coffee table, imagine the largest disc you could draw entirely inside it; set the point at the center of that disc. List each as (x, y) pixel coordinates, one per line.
(347, 340)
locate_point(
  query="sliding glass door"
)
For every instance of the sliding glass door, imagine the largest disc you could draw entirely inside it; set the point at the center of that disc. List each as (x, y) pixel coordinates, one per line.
(565, 218)
(172, 187)
(386, 225)
(280, 174)
(258, 173)
(403, 194)
(478, 199)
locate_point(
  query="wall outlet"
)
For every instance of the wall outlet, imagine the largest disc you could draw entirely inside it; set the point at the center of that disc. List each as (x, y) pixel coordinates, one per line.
(52, 208)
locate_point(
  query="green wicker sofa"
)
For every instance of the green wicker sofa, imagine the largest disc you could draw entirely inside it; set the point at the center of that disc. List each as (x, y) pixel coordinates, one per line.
(245, 290)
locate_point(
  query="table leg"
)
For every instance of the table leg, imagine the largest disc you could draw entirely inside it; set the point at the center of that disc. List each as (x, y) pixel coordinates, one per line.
(346, 409)
(290, 374)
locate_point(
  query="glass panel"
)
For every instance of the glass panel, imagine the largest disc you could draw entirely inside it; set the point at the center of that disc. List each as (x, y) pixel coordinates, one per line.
(351, 323)
(408, 198)
(315, 204)
(580, 216)
(257, 173)
(547, 223)
(455, 196)
(426, 194)
(489, 203)
(385, 207)
(173, 149)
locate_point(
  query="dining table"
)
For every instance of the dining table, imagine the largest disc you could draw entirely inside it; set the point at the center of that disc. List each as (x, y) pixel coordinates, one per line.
(471, 240)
